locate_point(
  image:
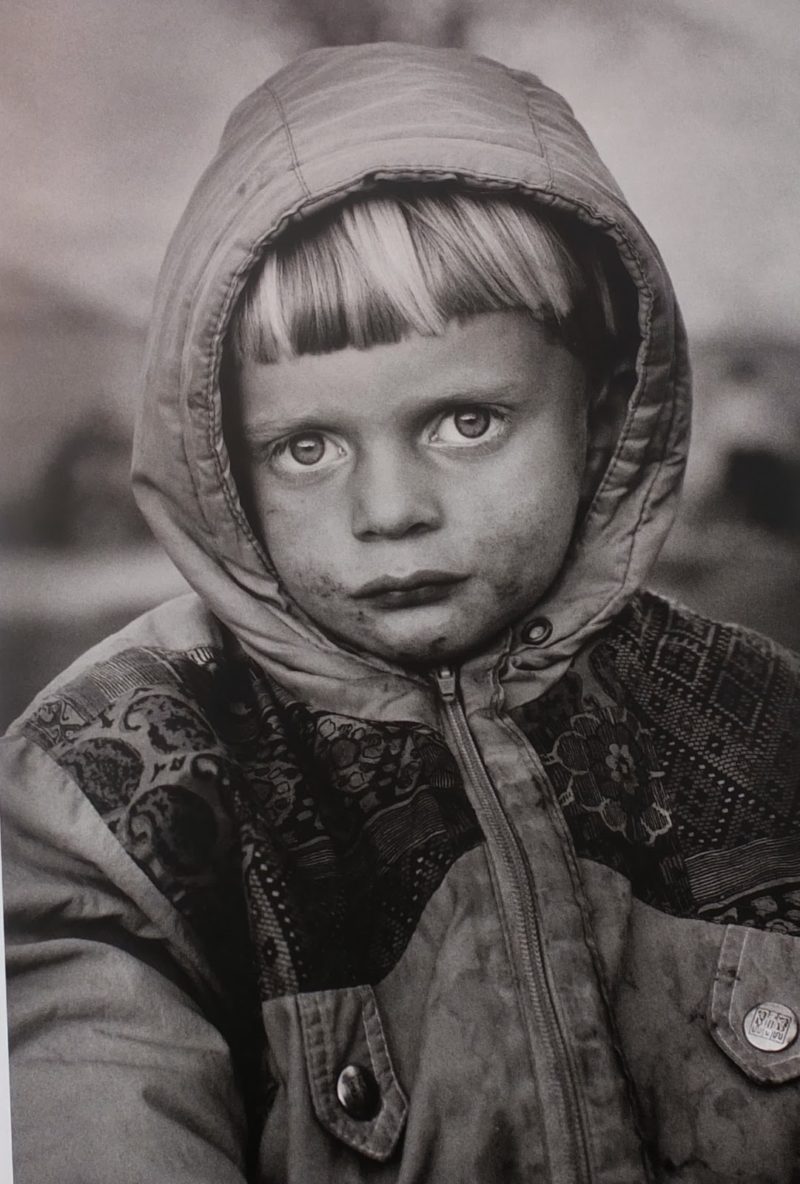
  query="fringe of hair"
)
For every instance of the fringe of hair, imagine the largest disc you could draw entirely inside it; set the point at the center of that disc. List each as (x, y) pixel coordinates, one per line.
(378, 268)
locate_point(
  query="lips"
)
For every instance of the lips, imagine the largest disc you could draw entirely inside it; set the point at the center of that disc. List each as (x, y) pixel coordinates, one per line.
(418, 588)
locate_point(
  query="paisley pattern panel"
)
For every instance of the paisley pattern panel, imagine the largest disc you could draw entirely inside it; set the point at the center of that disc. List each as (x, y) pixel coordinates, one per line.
(303, 843)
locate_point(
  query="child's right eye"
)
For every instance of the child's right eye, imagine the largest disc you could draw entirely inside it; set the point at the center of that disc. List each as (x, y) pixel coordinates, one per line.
(304, 451)
(307, 450)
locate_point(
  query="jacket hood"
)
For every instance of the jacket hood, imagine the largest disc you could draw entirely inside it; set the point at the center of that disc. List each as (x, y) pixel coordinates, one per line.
(338, 120)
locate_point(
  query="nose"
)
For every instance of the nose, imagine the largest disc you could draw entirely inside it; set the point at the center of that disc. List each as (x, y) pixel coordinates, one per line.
(392, 497)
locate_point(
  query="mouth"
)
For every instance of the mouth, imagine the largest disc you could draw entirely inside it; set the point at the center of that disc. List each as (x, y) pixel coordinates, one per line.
(418, 588)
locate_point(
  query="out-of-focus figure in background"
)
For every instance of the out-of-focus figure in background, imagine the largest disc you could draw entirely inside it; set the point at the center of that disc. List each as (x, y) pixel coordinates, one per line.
(695, 106)
(83, 498)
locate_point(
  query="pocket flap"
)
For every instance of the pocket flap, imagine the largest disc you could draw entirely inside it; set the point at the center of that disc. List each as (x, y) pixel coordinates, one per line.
(355, 1092)
(754, 1009)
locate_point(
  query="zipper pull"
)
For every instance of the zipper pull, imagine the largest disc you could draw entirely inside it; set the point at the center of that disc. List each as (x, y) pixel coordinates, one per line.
(446, 682)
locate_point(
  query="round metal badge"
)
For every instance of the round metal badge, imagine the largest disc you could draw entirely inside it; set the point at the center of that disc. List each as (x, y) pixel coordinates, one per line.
(772, 1027)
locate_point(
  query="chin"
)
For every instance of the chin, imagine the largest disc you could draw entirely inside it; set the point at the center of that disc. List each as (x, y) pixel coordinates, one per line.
(425, 653)
(427, 638)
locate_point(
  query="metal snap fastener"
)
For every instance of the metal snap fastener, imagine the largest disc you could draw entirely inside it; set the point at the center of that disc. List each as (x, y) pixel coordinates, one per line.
(770, 1027)
(537, 631)
(358, 1093)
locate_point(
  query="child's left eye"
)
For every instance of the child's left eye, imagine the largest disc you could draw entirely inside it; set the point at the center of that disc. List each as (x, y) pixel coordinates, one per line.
(466, 425)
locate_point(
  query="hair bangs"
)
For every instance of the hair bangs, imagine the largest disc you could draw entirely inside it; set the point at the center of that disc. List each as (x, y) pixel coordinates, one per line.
(381, 267)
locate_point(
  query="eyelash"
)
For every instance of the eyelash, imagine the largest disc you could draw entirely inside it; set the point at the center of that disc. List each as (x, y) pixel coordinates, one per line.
(498, 419)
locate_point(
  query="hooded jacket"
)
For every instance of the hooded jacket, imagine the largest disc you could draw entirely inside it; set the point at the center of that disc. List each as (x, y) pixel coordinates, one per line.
(282, 912)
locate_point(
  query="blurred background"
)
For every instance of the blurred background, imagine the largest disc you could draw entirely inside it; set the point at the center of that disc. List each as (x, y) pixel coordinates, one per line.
(112, 110)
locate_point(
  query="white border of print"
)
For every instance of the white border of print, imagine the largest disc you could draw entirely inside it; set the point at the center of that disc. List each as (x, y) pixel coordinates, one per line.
(6, 1169)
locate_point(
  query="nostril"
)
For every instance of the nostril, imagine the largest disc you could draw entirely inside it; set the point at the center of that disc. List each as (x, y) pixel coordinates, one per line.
(420, 528)
(399, 531)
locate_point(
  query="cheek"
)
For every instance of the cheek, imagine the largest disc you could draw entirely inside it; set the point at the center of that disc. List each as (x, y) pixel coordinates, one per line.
(298, 532)
(532, 507)
(521, 548)
(302, 552)
(529, 543)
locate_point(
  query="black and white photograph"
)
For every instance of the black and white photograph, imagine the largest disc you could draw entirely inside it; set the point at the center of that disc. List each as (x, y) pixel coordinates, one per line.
(400, 536)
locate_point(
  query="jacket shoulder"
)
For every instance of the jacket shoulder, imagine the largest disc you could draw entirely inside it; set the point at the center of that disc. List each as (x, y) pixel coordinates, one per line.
(722, 706)
(674, 748)
(98, 698)
(136, 728)
(141, 733)
(180, 625)
(685, 668)
(175, 654)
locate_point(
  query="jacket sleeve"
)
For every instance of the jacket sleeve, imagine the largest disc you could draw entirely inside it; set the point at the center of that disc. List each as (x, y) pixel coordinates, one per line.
(117, 1074)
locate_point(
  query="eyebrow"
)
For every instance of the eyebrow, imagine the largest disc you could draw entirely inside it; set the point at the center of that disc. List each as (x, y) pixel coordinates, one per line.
(265, 429)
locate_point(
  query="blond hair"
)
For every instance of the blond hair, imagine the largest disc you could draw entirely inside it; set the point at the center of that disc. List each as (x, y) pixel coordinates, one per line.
(379, 267)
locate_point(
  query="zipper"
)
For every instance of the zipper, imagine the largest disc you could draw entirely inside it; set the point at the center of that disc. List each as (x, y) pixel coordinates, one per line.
(567, 1144)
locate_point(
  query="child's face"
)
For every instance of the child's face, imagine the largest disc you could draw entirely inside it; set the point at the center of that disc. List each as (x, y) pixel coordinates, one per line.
(416, 497)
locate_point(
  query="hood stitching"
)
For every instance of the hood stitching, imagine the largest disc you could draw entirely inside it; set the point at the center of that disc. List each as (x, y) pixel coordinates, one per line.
(534, 122)
(289, 138)
(643, 288)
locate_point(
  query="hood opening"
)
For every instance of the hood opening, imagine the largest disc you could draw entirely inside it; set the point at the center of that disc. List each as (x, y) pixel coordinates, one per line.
(609, 356)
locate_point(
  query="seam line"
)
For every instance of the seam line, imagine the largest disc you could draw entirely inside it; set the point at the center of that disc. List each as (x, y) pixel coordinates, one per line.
(289, 140)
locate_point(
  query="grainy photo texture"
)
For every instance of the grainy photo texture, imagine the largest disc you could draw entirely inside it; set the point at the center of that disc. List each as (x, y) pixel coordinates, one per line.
(402, 782)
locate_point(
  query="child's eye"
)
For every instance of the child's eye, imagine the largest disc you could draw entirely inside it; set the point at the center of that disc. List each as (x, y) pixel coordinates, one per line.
(468, 424)
(307, 450)
(304, 451)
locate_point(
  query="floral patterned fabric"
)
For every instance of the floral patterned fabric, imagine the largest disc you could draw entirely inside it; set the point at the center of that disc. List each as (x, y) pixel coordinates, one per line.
(672, 750)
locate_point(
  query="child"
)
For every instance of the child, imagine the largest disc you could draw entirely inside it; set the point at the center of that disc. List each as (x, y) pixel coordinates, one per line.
(420, 844)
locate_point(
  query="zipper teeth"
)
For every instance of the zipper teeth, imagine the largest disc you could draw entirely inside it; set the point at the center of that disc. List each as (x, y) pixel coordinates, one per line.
(547, 1026)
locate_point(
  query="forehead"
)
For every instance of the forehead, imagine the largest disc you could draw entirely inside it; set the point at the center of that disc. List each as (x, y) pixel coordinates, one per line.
(499, 355)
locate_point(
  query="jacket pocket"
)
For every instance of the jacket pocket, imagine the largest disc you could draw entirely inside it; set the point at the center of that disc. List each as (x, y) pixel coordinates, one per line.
(754, 1009)
(354, 1089)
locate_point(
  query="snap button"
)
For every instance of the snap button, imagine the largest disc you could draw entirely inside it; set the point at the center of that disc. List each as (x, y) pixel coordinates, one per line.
(537, 631)
(358, 1093)
(770, 1027)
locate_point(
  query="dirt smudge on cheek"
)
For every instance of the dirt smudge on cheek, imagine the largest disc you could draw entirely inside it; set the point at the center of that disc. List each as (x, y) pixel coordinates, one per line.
(323, 587)
(508, 588)
(306, 585)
